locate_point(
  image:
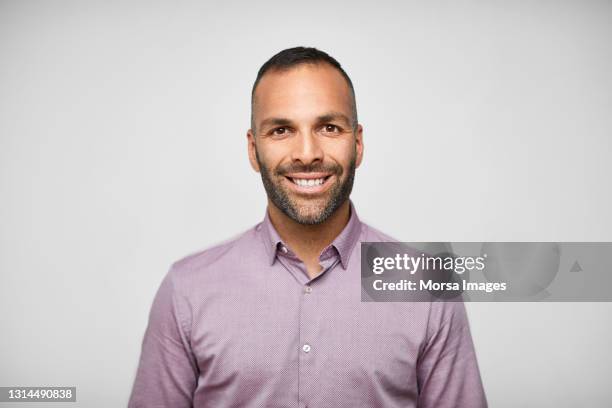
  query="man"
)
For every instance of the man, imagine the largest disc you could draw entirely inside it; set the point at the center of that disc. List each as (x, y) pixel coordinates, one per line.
(273, 318)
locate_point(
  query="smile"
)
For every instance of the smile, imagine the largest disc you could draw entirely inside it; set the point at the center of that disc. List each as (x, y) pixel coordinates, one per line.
(308, 182)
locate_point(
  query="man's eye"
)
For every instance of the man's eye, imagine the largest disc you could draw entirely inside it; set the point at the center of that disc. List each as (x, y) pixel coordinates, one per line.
(331, 128)
(279, 131)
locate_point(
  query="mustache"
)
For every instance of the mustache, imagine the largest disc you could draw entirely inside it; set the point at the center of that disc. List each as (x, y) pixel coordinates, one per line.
(309, 168)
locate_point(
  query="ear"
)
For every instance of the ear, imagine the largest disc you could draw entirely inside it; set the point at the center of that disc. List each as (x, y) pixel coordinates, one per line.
(251, 146)
(359, 145)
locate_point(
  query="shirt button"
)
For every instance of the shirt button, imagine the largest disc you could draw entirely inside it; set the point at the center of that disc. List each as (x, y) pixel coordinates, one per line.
(307, 289)
(284, 249)
(306, 348)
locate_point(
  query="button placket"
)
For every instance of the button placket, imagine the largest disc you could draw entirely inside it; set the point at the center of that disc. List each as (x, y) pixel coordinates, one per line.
(309, 327)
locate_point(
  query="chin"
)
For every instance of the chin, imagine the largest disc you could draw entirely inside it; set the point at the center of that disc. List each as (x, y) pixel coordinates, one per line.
(311, 213)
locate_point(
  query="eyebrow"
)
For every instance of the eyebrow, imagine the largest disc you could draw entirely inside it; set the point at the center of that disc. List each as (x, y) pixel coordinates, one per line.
(275, 122)
(332, 116)
(327, 117)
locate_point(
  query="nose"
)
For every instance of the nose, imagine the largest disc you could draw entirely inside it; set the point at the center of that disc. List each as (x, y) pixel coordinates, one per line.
(306, 149)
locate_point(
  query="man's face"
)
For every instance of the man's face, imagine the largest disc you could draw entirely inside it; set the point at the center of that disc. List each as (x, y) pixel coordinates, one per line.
(303, 143)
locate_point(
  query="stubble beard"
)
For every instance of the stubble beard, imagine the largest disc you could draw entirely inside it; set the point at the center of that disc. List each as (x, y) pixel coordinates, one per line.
(307, 214)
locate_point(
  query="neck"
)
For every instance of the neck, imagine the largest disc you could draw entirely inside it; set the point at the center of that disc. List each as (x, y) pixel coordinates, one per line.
(307, 241)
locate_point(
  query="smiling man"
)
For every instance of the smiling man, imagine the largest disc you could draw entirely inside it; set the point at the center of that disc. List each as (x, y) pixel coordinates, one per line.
(274, 318)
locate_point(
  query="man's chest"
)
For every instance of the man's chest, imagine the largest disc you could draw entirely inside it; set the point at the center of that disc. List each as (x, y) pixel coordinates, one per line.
(317, 337)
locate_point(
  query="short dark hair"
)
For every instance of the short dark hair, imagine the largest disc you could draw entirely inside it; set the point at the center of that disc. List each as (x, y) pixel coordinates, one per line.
(292, 57)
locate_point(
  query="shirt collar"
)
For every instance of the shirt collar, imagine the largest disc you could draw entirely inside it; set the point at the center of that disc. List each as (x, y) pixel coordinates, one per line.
(344, 242)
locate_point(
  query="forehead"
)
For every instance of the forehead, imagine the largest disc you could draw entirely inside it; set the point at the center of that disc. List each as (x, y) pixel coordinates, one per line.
(302, 92)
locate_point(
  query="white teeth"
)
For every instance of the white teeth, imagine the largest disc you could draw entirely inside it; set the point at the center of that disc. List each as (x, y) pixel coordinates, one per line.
(309, 182)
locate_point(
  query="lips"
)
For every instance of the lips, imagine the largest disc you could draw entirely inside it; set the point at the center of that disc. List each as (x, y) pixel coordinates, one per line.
(309, 183)
(302, 182)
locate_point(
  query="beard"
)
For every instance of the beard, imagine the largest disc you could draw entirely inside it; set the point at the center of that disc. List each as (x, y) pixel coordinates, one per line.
(313, 211)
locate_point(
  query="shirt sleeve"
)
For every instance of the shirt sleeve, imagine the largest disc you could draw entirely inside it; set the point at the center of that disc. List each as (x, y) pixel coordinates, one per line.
(167, 372)
(447, 369)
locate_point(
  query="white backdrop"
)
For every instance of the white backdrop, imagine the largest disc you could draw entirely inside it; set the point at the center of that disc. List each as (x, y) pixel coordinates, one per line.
(123, 148)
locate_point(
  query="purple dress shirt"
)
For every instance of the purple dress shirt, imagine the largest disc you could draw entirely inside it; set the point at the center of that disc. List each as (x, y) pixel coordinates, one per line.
(242, 325)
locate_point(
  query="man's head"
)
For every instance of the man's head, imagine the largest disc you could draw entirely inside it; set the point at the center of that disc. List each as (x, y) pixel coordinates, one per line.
(304, 137)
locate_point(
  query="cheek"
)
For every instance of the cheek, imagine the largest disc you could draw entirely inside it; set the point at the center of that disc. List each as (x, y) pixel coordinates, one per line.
(270, 155)
(342, 152)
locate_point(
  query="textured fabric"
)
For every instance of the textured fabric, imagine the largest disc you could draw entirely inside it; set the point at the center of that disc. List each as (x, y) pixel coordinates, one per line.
(242, 325)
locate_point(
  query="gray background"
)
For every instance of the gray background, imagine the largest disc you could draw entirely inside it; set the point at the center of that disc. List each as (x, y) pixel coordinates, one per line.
(123, 148)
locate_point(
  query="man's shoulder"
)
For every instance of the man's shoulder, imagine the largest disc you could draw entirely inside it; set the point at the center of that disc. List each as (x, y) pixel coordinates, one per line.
(212, 255)
(371, 234)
